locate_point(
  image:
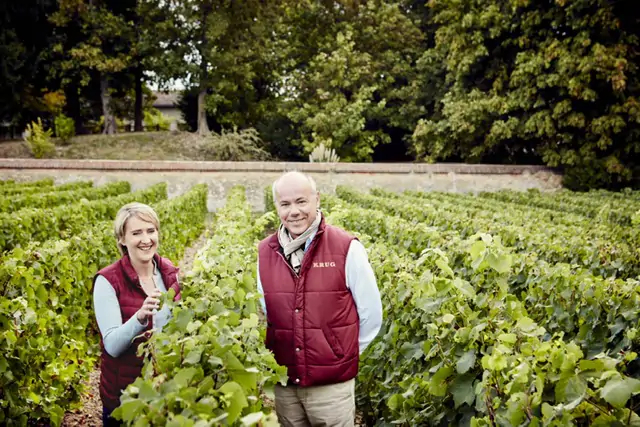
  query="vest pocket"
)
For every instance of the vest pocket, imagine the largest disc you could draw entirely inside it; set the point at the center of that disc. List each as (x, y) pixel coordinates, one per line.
(281, 345)
(333, 341)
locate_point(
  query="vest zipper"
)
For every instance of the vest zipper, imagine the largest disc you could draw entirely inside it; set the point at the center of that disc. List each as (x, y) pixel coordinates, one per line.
(289, 265)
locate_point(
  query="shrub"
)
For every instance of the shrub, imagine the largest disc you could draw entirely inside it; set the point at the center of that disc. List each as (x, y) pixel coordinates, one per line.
(323, 154)
(245, 145)
(65, 127)
(54, 101)
(155, 120)
(38, 140)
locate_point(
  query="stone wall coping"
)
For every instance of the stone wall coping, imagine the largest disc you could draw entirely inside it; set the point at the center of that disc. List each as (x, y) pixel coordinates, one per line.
(202, 166)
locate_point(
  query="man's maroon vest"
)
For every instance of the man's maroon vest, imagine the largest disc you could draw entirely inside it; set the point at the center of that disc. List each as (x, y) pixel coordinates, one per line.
(116, 373)
(312, 320)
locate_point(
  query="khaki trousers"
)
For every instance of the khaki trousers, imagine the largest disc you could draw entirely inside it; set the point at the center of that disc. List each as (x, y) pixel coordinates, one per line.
(332, 405)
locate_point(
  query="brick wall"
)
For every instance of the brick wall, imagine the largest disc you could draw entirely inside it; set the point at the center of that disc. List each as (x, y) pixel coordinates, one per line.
(255, 176)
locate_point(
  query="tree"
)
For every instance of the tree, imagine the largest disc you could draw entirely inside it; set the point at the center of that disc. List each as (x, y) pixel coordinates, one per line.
(554, 81)
(138, 50)
(347, 72)
(214, 46)
(102, 48)
(24, 36)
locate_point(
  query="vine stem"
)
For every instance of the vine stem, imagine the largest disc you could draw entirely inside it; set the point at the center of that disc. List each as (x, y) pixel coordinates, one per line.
(598, 407)
(528, 404)
(492, 415)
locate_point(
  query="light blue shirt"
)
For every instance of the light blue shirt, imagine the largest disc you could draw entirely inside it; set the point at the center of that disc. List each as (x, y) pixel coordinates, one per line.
(361, 281)
(116, 336)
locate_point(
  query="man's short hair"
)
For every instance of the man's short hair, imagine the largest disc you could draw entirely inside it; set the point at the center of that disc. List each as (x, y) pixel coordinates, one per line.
(312, 182)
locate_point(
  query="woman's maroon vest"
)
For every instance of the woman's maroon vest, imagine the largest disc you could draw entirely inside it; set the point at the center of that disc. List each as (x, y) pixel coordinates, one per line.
(116, 373)
(312, 320)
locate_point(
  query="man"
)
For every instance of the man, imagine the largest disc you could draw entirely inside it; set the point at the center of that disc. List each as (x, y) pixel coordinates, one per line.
(322, 306)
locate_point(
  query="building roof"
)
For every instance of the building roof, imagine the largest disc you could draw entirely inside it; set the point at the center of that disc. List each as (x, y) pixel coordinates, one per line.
(163, 99)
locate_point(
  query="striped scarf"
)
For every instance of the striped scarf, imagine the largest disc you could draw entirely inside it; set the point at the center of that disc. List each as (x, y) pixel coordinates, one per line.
(294, 248)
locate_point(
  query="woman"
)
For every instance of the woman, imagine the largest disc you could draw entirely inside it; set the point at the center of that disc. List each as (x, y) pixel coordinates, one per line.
(126, 301)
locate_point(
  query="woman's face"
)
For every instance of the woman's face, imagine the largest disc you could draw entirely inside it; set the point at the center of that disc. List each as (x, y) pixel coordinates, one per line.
(141, 239)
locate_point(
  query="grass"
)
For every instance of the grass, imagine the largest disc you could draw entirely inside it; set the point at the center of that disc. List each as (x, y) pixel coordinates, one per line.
(123, 146)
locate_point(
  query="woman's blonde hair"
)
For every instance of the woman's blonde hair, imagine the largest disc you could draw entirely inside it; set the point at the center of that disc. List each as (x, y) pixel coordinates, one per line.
(140, 210)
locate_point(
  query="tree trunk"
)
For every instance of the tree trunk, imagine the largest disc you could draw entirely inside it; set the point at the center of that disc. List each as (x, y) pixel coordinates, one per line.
(73, 106)
(137, 115)
(203, 126)
(109, 119)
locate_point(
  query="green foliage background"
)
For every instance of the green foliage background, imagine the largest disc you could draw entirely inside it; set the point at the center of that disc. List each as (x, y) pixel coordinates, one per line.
(496, 81)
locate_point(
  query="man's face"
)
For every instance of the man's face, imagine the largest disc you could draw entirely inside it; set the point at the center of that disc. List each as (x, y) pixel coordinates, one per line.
(296, 204)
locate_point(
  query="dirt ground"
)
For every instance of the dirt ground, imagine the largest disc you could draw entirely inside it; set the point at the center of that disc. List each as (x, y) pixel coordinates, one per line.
(91, 412)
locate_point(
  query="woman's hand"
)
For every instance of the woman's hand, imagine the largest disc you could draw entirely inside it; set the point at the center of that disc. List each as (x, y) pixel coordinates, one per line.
(149, 307)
